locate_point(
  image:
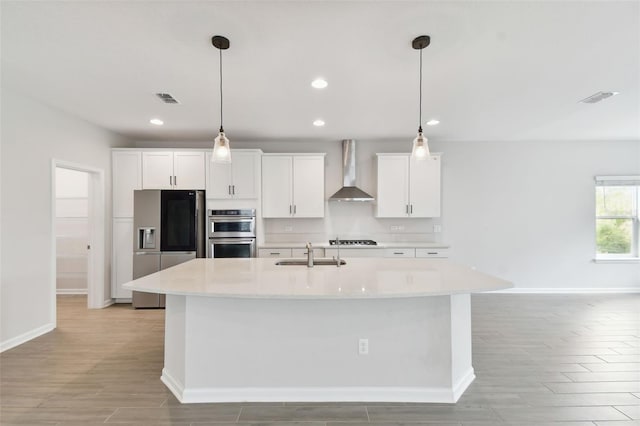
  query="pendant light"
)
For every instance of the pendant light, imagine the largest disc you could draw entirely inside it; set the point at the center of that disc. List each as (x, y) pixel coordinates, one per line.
(420, 149)
(221, 150)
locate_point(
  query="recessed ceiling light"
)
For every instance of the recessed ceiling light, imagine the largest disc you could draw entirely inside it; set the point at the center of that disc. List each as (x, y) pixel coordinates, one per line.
(318, 123)
(319, 83)
(432, 122)
(156, 121)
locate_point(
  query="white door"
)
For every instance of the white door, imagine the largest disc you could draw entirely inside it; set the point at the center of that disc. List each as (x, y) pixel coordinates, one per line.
(126, 176)
(244, 175)
(424, 187)
(157, 170)
(188, 167)
(277, 178)
(393, 186)
(308, 186)
(218, 178)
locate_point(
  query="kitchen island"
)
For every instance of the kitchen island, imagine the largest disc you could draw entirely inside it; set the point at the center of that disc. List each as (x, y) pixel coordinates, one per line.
(371, 330)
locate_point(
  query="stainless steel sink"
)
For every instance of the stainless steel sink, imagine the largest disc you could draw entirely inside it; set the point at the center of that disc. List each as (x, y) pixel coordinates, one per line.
(316, 262)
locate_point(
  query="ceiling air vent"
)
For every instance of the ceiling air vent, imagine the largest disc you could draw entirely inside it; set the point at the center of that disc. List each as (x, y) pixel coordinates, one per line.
(597, 97)
(167, 98)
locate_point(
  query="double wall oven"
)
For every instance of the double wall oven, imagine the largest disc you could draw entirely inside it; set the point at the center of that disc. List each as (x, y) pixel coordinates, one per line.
(232, 233)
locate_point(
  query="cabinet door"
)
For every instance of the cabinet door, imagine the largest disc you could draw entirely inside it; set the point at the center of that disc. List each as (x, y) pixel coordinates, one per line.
(424, 187)
(277, 175)
(157, 170)
(244, 181)
(218, 178)
(122, 262)
(308, 186)
(188, 169)
(275, 252)
(126, 172)
(393, 186)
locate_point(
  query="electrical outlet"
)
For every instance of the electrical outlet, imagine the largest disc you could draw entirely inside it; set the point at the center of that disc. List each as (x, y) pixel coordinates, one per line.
(393, 228)
(363, 346)
(288, 229)
(437, 228)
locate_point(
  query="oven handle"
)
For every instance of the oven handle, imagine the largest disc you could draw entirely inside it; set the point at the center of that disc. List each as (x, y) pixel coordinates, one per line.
(232, 240)
(231, 219)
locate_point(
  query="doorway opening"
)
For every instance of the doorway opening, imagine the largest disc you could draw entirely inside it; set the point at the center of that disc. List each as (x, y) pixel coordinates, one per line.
(78, 223)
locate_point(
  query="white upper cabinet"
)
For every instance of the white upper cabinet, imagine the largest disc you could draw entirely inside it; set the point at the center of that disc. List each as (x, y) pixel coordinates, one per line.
(173, 170)
(292, 185)
(238, 180)
(127, 177)
(408, 187)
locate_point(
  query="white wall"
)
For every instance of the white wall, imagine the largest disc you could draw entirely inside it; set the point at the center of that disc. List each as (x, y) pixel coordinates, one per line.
(33, 134)
(72, 231)
(523, 211)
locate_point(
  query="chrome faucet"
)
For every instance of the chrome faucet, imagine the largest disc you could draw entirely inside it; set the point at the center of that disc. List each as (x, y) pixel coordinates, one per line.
(309, 255)
(338, 247)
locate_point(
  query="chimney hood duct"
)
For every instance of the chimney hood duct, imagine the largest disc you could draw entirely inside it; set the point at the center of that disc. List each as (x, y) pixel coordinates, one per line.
(349, 190)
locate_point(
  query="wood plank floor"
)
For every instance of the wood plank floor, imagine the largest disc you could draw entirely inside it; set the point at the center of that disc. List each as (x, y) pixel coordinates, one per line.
(549, 360)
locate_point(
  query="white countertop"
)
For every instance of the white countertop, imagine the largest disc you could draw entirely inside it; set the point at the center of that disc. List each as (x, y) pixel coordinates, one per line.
(360, 278)
(326, 244)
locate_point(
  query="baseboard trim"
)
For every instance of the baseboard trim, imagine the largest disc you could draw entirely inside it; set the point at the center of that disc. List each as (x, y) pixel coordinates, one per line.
(310, 394)
(65, 291)
(463, 383)
(25, 337)
(568, 290)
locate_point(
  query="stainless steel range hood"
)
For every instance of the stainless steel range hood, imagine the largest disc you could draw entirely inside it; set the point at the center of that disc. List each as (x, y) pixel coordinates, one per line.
(349, 190)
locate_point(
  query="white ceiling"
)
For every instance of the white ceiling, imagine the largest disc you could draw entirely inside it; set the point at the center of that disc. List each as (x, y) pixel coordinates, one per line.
(508, 70)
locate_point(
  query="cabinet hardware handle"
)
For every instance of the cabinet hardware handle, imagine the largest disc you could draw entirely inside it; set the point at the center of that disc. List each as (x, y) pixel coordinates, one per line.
(432, 252)
(175, 181)
(294, 209)
(233, 189)
(398, 252)
(411, 210)
(406, 208)
(170, 180)
(274, 252)
(290, 209)
(229, 189)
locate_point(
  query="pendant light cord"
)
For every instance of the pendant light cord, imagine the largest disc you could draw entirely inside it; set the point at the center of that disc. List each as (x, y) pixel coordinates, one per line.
(420, 108)
(221, 129)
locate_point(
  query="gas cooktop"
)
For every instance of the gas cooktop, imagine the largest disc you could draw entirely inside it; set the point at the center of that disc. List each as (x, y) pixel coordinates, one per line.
(354, 242)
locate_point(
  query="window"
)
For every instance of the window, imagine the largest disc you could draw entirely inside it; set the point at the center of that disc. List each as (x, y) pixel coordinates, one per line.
(617, 217)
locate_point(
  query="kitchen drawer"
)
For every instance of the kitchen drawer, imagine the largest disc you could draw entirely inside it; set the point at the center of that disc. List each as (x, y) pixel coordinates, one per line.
(354, 252)
(400, 252)
(432, 252)
(302, 252)
(275, 252)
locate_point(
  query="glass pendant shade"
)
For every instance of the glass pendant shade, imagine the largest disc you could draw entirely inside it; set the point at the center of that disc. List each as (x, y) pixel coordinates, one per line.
(221, 151)
(420, 149)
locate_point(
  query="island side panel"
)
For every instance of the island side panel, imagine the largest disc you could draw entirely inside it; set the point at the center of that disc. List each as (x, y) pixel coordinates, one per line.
(462, 373)
(286, 349)
(175, 332)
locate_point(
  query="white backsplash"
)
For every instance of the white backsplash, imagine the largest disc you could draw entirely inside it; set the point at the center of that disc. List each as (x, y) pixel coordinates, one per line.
(351, 220)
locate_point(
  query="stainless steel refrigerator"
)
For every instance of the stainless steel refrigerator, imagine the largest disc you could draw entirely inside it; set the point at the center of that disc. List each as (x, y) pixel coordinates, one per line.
(169, 228)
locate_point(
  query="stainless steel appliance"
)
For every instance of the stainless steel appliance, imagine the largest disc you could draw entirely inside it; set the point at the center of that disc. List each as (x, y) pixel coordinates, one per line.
(169, 230)
(232, 233)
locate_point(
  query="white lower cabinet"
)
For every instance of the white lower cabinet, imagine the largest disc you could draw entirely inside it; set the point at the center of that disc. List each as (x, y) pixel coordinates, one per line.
(276, 252)
(399, 252)
(122, 257)
(355, 252)
(432, 252)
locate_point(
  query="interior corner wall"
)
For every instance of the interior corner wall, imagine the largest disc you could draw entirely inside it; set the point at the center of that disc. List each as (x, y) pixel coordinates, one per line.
(525, 211)
(32, 135)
